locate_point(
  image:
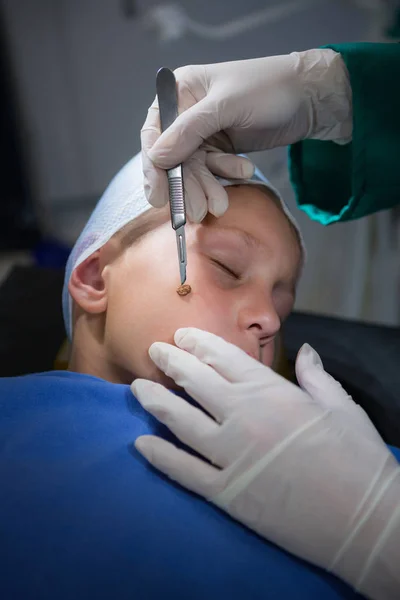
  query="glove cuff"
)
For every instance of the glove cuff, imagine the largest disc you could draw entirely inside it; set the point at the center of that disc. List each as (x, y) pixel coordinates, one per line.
(368, 559)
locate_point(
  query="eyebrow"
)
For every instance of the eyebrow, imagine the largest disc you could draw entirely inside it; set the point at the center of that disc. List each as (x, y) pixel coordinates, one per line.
(250, 241)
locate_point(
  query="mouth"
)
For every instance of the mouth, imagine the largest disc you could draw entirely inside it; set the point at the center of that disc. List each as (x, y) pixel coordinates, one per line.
(258, 355)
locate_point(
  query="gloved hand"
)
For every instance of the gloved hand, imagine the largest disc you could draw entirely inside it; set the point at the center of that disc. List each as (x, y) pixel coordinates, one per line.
(243, 106)
(305, 468)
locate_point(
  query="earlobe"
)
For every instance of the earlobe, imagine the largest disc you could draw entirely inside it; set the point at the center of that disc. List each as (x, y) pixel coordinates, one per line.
(87, 286)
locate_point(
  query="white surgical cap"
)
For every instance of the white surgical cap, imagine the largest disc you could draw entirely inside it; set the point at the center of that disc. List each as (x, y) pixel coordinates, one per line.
(123, 201)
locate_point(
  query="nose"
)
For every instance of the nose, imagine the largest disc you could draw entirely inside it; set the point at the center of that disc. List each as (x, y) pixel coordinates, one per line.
(258, 315)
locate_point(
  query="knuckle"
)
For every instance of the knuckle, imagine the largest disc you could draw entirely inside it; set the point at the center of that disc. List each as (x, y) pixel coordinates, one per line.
(186, 72)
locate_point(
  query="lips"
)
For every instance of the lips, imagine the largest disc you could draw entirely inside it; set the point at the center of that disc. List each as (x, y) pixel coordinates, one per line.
(258, 355)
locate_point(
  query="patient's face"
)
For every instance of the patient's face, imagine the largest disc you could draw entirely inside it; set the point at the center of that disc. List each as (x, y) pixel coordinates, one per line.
(242, 268)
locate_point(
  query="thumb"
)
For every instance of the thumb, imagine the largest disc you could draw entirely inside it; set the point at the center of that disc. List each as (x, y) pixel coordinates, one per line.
(185, 135)
(314, 380)
(324, 389)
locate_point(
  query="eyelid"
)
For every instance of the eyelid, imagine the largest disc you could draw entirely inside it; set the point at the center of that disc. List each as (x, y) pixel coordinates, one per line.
(225, 268)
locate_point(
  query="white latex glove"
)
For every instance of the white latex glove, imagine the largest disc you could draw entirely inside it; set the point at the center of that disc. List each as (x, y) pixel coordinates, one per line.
(305, 468)
(243, 106)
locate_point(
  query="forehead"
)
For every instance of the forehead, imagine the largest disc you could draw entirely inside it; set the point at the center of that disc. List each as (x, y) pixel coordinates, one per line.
(253, 219)
(257, 213)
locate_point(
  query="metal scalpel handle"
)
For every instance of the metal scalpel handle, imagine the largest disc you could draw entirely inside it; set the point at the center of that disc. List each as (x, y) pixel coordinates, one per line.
(168, 107)
(176, 197)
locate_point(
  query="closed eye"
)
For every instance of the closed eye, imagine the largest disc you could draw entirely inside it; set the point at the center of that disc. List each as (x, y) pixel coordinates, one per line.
(226, 269)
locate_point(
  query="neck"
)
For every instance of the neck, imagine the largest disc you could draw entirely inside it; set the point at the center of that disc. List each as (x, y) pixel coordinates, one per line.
(88, 354)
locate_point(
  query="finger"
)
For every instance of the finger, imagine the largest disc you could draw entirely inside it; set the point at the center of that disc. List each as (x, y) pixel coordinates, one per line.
(185, 135)
(312, 378)
(232, 363)
(195, 199)
(199, 380)
(214, 192)
(155, 180)
(217, 196)
(229, 166)
(189, 424)
(324, 388)
(151, 129)
(191, 472)
(209, 191)
(155, 183)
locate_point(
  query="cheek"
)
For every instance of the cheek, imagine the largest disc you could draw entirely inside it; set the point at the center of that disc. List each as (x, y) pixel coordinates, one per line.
(206, 307)
(144, 307)
(141, 303)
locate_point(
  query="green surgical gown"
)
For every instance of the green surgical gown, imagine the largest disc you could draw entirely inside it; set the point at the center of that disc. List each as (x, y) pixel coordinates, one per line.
(336, 182)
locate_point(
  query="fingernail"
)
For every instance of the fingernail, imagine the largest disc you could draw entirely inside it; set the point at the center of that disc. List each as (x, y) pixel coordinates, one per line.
(196, 211)
(312, 356)
(198, 214)
(142, 446)
(143, 386)
(180, 335)
(147, 189)
(247, 169)
(220, 207)
(156, 354)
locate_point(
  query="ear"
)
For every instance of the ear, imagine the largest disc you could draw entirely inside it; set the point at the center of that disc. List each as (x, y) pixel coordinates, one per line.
(87, 286)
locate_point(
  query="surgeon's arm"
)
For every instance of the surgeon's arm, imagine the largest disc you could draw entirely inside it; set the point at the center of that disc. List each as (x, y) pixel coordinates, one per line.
(341, 182)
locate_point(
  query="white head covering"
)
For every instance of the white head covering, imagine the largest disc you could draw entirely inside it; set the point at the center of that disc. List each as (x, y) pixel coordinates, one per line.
(123, 201)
